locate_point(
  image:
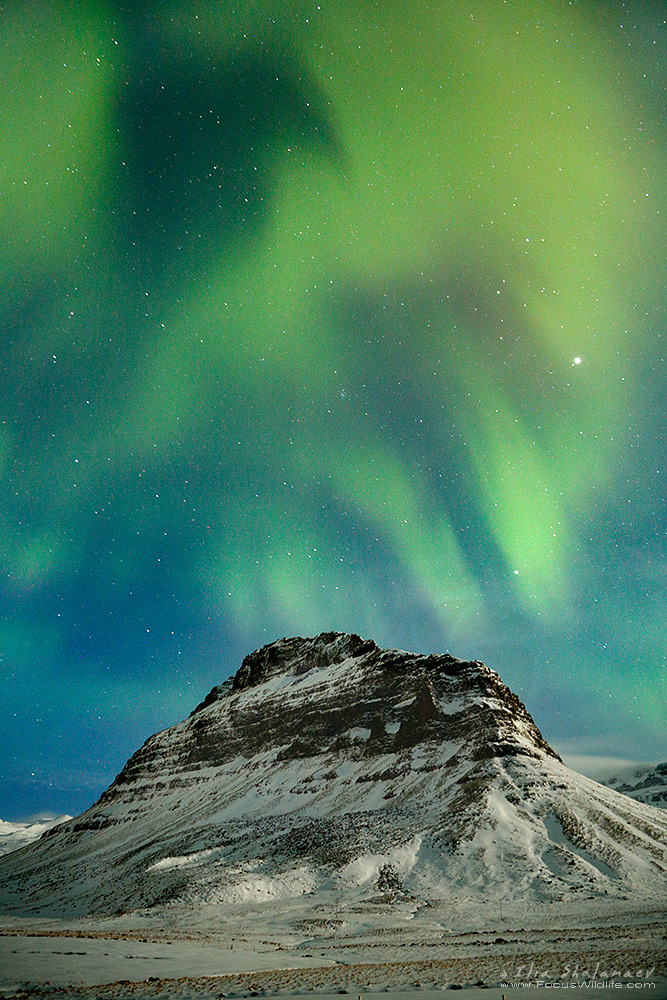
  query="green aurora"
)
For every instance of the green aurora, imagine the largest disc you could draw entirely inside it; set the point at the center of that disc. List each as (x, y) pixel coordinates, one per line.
(328, 316)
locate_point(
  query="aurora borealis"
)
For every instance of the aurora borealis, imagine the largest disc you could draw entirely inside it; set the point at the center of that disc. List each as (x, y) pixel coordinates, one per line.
(328, 316)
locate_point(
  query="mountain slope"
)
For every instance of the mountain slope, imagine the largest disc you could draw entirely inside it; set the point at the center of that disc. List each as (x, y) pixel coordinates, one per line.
(328, 765)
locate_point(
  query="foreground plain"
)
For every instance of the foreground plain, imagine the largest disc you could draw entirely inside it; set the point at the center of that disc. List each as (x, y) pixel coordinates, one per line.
(375, 947)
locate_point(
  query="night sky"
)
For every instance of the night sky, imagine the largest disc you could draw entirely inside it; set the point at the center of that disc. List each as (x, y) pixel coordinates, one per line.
(322, 316)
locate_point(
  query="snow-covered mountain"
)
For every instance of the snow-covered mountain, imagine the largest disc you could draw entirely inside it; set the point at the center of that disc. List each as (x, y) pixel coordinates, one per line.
(15, 835)
(643, 782)
(328, 765)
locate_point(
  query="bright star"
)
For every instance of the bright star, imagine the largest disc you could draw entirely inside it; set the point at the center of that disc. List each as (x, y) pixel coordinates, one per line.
(577, 361)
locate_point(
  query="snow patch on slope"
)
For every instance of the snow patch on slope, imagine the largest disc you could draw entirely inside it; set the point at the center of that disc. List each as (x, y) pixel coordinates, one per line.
(252, 882)
(366, 868)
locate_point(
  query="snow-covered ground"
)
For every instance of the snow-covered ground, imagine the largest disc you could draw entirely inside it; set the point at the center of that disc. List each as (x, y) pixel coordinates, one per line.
(324, 947)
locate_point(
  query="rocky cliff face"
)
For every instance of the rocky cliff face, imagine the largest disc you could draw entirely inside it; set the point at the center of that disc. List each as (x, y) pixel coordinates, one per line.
(339, 695)
(328, 764)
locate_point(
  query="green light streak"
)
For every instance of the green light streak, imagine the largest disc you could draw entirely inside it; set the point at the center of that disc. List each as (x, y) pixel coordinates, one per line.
(375, 482)
(53, 135)
(523, 503)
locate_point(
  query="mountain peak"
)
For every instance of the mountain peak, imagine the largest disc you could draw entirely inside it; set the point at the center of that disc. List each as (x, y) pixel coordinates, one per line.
(337, 679)
(297, 655)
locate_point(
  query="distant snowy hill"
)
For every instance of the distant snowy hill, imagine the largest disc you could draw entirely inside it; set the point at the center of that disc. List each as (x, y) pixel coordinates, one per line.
(15, 835)
(643, 782)
(328, 766)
